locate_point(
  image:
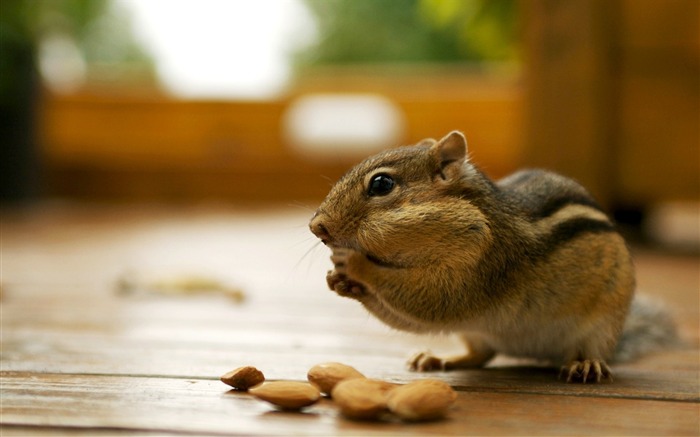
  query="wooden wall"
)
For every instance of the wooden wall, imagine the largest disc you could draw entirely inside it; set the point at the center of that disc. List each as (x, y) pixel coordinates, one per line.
(150, 148)
(614, 96)
(611, 97)
(157, 149)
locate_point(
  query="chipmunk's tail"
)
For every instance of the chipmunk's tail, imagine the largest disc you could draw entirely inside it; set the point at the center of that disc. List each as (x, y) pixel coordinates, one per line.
(649, 327)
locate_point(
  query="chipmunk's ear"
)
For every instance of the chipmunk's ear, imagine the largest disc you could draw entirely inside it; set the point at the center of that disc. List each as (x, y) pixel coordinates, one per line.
(451, 149)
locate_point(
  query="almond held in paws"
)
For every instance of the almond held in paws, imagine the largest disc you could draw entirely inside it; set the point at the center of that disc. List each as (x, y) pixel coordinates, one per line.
(427, 399)
(325, 376)
(287, 395)
(243, 378)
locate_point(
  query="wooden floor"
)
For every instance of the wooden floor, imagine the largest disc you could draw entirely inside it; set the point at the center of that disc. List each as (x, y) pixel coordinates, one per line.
(94, 342)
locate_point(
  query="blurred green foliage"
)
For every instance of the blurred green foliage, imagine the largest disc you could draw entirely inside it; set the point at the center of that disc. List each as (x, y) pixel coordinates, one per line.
(27, 19)
(100, 31)
(372, 31)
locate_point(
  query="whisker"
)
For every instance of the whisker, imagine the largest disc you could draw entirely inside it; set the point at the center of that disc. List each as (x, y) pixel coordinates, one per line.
(305, 240)
(307, 253)
(302, 206)
(328, 179)
(303, 258)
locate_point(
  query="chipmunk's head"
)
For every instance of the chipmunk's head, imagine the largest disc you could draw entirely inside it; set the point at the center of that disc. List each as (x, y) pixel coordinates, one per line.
(396, 205)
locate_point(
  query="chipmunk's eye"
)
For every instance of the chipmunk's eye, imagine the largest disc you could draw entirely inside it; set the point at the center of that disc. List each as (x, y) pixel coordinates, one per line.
(380, 185)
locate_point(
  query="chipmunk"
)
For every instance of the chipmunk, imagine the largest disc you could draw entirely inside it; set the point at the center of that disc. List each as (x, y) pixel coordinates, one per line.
(528, 266)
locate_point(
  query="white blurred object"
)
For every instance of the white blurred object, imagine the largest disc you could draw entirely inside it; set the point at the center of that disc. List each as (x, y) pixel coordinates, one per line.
(332, 125)
(61, 64)
(221, 48)
(675, 224)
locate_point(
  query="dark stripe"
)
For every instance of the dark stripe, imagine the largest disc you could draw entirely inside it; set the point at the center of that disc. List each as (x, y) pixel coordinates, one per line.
(553, 205)
(509, 261)
(571, 229)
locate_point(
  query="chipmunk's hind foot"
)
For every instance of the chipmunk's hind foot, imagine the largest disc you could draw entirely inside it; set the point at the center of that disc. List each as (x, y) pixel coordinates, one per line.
(479, 352)
(425, 362)
(585, 370)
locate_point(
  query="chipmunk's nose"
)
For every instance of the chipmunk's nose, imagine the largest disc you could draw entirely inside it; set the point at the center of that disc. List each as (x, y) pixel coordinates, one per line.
(319, 229)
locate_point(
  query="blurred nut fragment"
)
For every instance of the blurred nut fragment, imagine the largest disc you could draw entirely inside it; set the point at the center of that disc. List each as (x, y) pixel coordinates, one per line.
(426, 399)
(243, 378)
(362, 398)
(287, 395)
(325, 376)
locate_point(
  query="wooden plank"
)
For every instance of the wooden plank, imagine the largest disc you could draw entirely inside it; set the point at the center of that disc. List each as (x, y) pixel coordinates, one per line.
(613, 86)
(155, 148)
(159, 132)
(673, 27)
(675, 378)
(659, 100)
(492, 126)
(570, 105)
(202, 406)
(79, 358)
(202, 338)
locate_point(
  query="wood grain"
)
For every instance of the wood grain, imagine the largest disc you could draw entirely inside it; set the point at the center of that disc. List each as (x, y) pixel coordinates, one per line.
(613, 91)
(202, 406)
(78, 357)
(117, 147)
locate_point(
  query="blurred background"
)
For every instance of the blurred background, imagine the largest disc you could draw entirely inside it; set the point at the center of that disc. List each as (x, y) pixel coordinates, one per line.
(265, 102)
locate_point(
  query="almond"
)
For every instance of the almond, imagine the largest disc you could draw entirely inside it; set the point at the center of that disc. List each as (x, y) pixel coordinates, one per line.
(243, 378)
(288, 395)
(362, 398)
(325, 376)
(426, 399)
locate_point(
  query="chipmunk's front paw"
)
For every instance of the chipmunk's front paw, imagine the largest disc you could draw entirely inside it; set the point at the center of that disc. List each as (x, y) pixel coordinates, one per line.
(341, 284)
(338, 279)
(582, 371)
(425, 362)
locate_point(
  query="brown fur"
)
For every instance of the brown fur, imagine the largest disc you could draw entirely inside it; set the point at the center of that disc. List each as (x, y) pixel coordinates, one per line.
(528, 266)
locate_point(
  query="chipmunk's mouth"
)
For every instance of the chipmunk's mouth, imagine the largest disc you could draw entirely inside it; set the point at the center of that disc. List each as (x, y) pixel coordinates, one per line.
(383, 263)
(370, 256)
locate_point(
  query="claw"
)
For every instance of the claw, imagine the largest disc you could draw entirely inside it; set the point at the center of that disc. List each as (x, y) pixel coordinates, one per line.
(606, 371)
(582, 370)
(597, 371)
(586, 371)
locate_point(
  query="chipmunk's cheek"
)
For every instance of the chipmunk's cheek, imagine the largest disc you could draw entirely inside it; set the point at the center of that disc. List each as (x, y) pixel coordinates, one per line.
(384, 251)
(376, 239)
